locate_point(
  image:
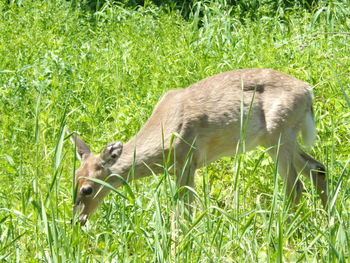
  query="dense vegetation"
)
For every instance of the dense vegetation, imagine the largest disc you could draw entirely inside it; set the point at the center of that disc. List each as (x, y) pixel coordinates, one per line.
(100, 71)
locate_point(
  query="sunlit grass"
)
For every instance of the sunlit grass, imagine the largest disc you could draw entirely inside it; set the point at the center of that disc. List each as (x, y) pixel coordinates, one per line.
(101, 74)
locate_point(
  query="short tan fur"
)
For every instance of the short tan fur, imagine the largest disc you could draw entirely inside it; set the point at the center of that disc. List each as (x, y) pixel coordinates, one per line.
(222, 115)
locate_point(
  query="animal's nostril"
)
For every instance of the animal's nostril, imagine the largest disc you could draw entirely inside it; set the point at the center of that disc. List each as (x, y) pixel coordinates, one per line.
(86, 190)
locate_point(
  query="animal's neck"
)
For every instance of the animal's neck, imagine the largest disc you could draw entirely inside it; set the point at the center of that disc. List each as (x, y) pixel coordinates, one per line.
(136, 162)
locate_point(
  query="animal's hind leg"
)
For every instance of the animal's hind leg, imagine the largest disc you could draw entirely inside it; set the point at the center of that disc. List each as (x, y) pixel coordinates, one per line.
(283, 155)
(314, 171)
(288, 173)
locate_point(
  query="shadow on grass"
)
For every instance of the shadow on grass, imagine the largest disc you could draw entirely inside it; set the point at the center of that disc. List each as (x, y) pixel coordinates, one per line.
(242, 9)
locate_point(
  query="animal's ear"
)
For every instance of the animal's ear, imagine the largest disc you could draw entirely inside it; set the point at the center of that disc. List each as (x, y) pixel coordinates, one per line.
(111, 153)
(82, 149)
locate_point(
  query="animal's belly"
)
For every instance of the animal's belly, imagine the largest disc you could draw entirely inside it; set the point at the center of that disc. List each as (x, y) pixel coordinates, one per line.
(226, 142)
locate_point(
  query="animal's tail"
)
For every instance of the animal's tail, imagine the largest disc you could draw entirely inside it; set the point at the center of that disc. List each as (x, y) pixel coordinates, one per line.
(308, 129)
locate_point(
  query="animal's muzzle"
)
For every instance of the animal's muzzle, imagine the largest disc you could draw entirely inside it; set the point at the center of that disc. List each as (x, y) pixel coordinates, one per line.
(78, 209)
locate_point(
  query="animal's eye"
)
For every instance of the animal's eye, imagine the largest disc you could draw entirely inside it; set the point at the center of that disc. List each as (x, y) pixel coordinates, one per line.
(86, 190)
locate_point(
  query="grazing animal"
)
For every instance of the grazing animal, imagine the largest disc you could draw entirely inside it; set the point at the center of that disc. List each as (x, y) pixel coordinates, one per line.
(221, 115)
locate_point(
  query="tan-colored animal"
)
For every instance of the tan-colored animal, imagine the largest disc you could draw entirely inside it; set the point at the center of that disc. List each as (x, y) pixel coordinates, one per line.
(221, 115)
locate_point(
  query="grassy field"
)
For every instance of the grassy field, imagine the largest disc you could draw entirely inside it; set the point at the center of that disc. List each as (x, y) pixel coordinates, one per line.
(100, 74)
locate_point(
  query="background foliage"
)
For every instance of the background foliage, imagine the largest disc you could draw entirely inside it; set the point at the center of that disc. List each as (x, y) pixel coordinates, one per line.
(99, 67)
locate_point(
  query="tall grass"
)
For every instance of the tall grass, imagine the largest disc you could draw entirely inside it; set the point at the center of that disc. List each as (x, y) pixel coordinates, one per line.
(101, 74)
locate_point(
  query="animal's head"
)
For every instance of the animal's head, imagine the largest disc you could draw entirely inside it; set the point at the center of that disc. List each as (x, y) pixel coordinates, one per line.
(89, 192)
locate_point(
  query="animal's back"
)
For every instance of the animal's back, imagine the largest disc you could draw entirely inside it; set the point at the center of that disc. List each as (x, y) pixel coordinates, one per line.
(216, 110)
(253, 104)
